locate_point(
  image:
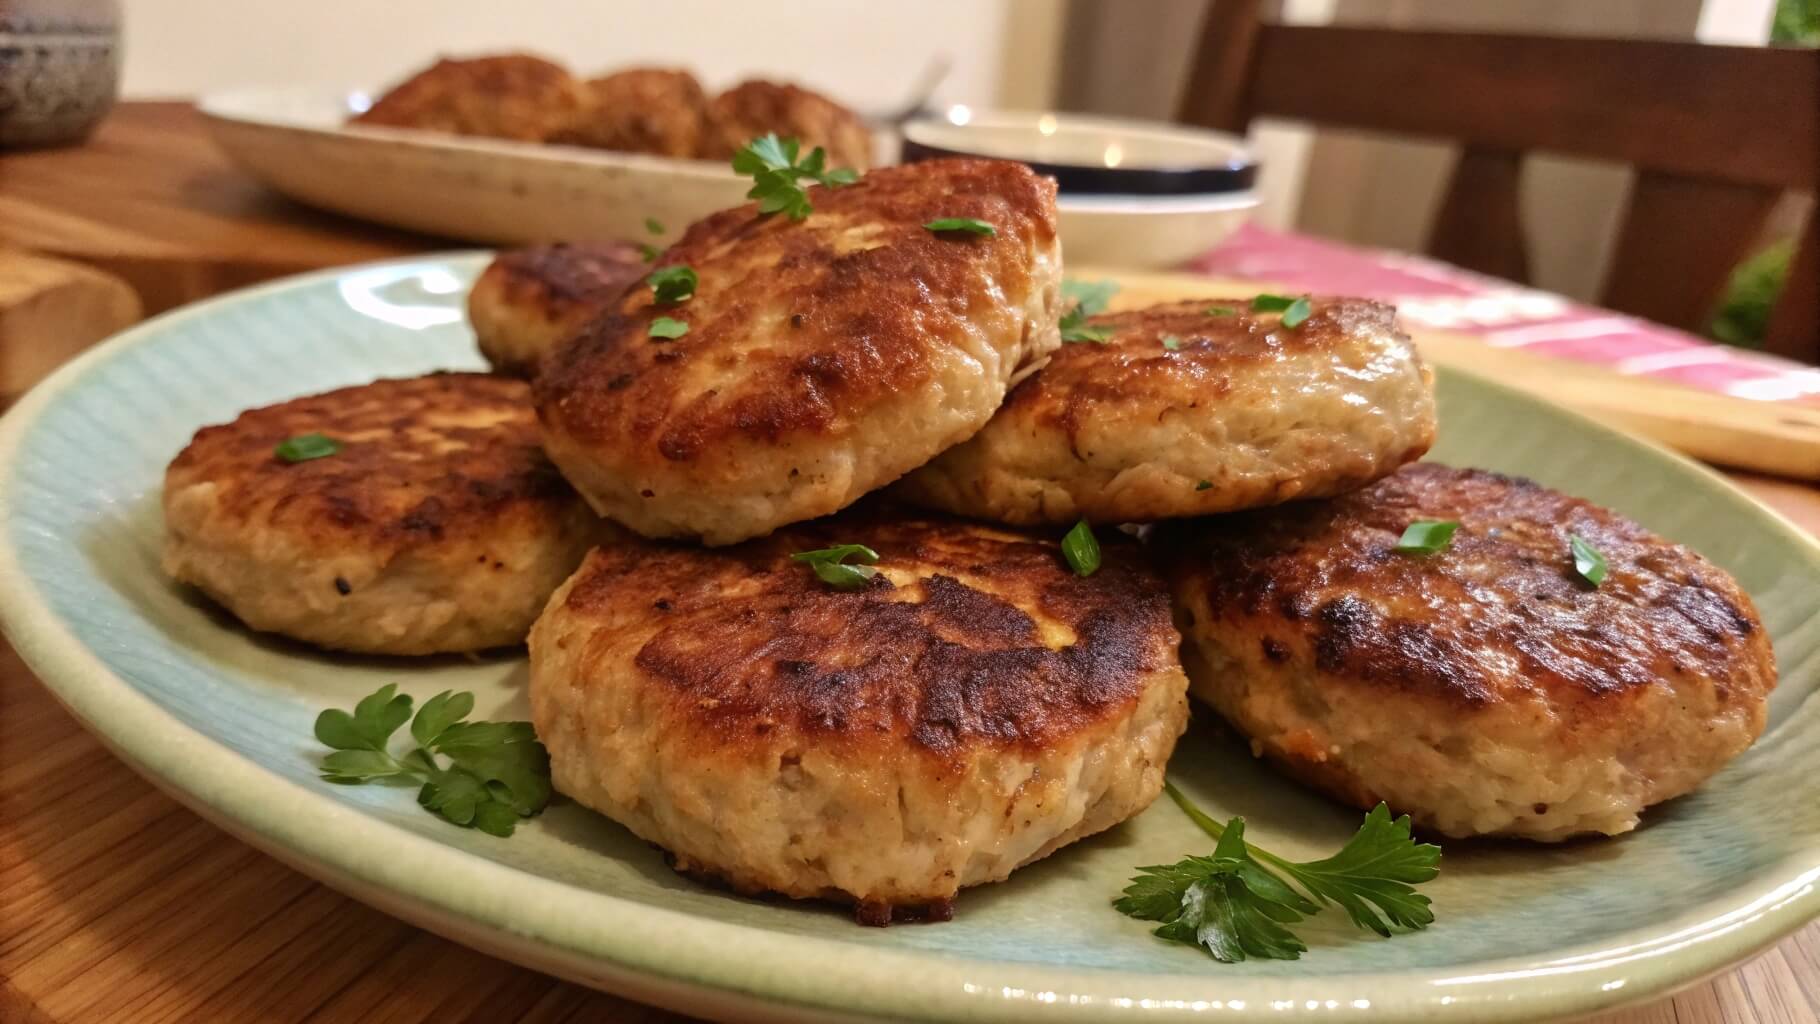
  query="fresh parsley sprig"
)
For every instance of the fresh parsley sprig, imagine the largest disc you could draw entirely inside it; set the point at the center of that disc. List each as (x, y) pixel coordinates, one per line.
(960, 225)
(1427, 536)
(1089, 297)
(497, 772)
(666, 328)
(1236, 906)
(1081, 549)
(1588, 562)
(671, 285)
(646, 249)
(305, 447)
(831, 565)
(777, 176)
(1294, 311)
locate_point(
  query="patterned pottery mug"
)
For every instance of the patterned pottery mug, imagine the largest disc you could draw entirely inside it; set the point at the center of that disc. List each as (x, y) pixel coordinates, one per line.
(59, 68)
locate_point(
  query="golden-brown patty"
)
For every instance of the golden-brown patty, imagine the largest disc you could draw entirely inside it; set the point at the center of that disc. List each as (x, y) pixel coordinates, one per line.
(661, 111)
(508, 96)
(823, 359)
(974, 708)
(1183, 412)
(755, 108)
(529, 299)
(437, 526)
(1484, 689)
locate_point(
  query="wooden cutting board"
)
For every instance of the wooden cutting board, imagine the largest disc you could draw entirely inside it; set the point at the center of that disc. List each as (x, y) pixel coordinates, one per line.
(1771, 437)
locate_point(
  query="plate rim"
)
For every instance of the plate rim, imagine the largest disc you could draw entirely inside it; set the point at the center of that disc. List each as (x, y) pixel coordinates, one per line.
(723, 960)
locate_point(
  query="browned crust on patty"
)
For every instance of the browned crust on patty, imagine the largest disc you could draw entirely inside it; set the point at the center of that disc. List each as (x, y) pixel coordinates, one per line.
(1500, 611)
(566, 278)
(750, 644)
(755, 108)
(529, 299)
(661, 111)
(797, 329)
(423, 460)
(509, 96)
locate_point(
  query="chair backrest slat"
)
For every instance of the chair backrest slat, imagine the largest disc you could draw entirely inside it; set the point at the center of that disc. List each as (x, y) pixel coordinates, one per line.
(1677, 245)
(1479, 223)
(1716, 133)
(1744, 114)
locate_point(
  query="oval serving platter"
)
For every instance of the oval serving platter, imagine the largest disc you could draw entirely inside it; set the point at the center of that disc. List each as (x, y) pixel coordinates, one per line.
(221, 718)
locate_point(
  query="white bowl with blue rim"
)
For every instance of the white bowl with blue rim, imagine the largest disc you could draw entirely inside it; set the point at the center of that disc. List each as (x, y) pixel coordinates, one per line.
(1133, 193)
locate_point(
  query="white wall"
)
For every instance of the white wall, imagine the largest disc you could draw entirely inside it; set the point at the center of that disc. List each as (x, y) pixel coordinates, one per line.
(869, 55)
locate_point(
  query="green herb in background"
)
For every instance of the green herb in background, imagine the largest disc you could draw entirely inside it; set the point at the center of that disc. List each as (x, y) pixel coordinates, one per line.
(831, 565)
(962, 224)
(1588, 562)
(667, 329)
(497, 772)
(1204, 485)
(1082, 549)
(1089, 298)
(1796, 22)
(777, 176)
(1268, 303)
(1236, 905)
(673, 284)
(1750, 297)
(305, 447)
(1427, 536)
(646, 249)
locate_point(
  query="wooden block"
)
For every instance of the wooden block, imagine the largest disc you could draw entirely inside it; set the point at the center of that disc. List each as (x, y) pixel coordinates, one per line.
(50, 310)
(1770, 437)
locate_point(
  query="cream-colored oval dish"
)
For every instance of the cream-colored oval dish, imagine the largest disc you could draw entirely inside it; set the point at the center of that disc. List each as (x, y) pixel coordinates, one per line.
(497, 191)
(222, 719)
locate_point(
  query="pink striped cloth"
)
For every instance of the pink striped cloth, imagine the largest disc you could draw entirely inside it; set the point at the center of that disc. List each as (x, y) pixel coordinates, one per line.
(1429, 293)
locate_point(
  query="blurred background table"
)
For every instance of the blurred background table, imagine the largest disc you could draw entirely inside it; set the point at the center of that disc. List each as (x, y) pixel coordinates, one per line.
(116, 904)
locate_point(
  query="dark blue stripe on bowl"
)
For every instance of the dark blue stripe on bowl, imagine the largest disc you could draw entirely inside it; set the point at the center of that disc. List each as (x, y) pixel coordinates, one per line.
(1075, 179)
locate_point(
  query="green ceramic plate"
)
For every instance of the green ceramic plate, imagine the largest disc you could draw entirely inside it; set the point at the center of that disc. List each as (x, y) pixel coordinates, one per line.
(222, 718)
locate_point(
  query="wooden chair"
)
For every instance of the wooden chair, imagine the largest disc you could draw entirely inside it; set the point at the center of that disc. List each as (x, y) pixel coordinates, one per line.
(1716, 133)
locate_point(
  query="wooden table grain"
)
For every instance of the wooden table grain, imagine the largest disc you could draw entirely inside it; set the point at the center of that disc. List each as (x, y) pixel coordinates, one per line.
(118, 905)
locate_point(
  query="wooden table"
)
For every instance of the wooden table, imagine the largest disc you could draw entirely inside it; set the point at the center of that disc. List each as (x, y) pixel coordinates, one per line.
(118, 905)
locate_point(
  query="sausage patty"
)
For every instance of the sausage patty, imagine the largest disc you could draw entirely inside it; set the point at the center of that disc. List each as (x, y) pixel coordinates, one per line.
(507, 96)
(660, 111)
(974, 708)
(754, 108)
(437, 526)
(1181, 411)
(1486, 689)
(529, 299)
(823, 358)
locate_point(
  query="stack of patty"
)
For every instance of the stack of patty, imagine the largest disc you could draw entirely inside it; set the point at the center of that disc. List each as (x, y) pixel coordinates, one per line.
(658, 111)
(834, 646)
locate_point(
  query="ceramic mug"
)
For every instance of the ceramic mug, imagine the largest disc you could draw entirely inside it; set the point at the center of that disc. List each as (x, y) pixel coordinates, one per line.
(59, 68)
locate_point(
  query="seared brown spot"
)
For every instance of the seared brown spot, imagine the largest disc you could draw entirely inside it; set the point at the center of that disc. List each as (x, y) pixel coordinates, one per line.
(1500, 608)
(422, 459)
(875, 304)
(562, 276)
(955, 658)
